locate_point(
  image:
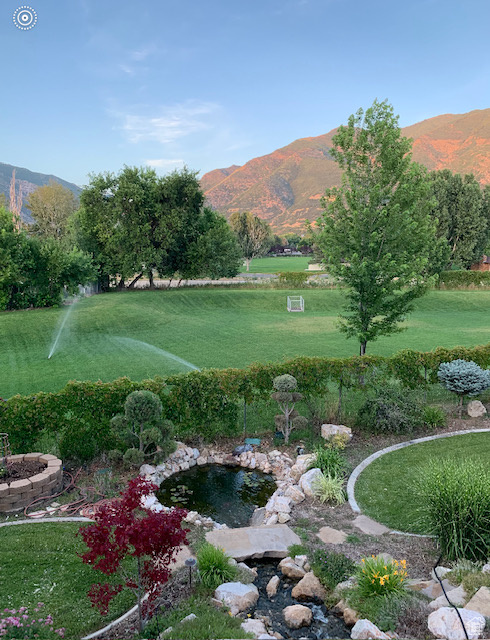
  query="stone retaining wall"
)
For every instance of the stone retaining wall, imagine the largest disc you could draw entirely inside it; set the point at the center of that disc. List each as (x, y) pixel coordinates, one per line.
(19, 494)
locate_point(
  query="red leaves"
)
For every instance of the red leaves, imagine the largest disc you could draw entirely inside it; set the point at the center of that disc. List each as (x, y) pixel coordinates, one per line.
(124, 529)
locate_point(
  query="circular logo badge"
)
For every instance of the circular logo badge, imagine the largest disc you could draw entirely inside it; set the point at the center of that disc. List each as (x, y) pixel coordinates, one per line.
(24, 18)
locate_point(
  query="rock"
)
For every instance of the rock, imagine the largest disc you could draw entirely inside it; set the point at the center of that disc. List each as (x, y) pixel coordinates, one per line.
(365, 629)
(278, 504)
(243, 448)
(486, 568)
(266, 636)
(258, 517)
(254, 542)
(217, 604)
(147, 470)
(272, 586)
(307, 480)
(387, 557)
(250, 573)
(201, 460)
(330, 430)
(369, 526)
(441, 572)
(331, 536)
(237, 596)
(455, 597)
(191, 616)
(342, 586)
(445, 623)
(294, 493)
(300, 466)
(350, 617)
(282, 518)
(272, 520)
(297, 615)
(257, 627)
(195, 453)
(301, 561)
(290, 569)
(476, 409)
(480, 602)
(309, 588)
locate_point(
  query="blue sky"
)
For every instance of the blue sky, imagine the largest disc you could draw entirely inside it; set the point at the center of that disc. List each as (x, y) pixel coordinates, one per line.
(97, 84)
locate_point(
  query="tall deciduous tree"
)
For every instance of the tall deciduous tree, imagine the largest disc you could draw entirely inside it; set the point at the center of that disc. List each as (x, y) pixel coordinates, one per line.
(463, 216)
(51, 206)
(254, 235)
(376, 229)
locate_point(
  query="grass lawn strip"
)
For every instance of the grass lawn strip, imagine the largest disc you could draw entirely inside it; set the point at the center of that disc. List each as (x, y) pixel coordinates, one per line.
(40, 564)
(128, 333)
(386, 488)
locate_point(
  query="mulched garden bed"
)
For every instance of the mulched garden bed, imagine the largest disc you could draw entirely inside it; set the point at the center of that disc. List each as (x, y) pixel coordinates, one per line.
(20, 470)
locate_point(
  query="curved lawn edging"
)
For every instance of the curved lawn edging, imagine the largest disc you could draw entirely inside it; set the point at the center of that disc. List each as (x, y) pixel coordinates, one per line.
(351, 483)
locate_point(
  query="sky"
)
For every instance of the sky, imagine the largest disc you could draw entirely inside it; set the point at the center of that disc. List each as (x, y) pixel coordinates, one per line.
(98, 84)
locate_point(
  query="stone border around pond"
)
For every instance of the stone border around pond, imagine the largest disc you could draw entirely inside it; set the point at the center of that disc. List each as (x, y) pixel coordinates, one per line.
(286, 472)
(351, 483)
(19, 494)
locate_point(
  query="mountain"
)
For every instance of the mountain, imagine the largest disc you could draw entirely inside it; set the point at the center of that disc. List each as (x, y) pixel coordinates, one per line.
(28, 181)
(285, 186)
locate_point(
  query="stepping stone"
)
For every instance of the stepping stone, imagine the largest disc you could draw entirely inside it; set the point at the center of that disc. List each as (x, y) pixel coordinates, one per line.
(480, 602)
(331, 536)
(254, 542)
(369, 526)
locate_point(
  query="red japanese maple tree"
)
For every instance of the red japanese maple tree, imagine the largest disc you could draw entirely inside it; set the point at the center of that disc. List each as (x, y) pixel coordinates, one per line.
(124, 528)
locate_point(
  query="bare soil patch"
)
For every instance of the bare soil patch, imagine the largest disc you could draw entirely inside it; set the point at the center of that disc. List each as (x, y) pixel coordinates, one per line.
(20, 470)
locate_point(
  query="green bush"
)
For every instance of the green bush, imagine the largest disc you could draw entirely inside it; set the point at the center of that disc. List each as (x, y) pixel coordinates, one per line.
(463, 378)
(455, 507)
(331, 568)
(377, 577)
(330, 460)
(460, 279)
(434, 417)
(391, 411)
(293, 279)
(214, 566)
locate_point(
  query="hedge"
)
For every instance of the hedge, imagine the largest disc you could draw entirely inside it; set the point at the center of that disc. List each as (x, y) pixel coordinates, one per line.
(206, 403)
(455, 279)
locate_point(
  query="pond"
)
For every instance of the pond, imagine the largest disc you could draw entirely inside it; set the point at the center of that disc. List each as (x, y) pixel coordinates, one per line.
(228, 495)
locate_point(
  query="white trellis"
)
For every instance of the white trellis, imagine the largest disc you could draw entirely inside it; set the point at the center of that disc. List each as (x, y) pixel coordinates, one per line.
(296, 303)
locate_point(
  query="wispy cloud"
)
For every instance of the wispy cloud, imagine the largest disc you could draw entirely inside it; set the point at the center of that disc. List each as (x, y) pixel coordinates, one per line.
(170, 122)
(164, 163)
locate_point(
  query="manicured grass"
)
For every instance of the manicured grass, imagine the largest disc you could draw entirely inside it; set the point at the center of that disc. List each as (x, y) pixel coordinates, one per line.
(123, 334)
(387, 489)
(39, 563)
(278, 265)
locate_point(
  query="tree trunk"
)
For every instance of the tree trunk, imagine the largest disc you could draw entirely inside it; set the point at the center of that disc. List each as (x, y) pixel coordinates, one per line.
(362, 348)
(120, 284)
(169, 282)
(247, 262)
(339, 406)
(140, 617)
(150, 278)
(131, 284)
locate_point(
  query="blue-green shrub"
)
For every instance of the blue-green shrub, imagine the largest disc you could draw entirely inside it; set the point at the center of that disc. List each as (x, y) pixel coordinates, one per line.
(463, 378)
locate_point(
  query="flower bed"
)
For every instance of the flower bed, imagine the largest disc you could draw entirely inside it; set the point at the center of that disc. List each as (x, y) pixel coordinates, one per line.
(19, 494)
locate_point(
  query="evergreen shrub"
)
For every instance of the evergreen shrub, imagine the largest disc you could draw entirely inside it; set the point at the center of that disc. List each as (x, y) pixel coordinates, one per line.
(391, 411)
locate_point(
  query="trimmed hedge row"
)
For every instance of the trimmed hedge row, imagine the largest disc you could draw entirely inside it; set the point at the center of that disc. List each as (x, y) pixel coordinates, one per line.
(206, 403)
(455, 279)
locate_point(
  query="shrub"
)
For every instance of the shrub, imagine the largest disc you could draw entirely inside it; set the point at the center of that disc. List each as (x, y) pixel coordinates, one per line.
(214, 566)
(463, 378)
(434, 417)
(19, 623)
(297, 550)
(330, 460)
(391, 411)
(377, 577)
(293, 278)
(78, 442)
(286, 397)
(393, 612)
(331, 568)
(455, 507)
(329, 488)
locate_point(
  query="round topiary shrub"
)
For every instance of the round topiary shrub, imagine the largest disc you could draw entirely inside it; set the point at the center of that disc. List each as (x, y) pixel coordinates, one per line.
(464, 378)
(285, 383)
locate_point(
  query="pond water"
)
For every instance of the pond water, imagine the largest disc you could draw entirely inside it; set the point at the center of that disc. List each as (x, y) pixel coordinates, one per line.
(228, 495)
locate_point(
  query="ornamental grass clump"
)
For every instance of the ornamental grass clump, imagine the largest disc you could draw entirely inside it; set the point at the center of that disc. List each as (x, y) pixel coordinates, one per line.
(378, 577)
(214, 566)
(329, 488)
(455, 507)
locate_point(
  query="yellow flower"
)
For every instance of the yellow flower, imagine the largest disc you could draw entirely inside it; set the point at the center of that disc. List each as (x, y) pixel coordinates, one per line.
(386, 577)
(404, 563)
(362, 560)
(372, 581)
(381, 581)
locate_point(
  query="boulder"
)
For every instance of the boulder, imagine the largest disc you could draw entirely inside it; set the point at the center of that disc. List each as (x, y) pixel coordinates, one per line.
(294, 493)
(278, 504)
(476, 409)
(445, 623)
(331, 536)
(301, 561)
(440, 571)
(147, 470)
(250, 573)
(300, 466)
(258, 517)
(455, 597)
(480, 602)
(272, 520)
(282, 518)
(189, 618)
(297, 616)
(365, 630)
(330, 430)
(256, 627)
(254, 542)
(307, 480)
(486, 568)
(350, 617)
(201, 460)
(272, 586)
(291, 570)
(309, 588)
(237, 596)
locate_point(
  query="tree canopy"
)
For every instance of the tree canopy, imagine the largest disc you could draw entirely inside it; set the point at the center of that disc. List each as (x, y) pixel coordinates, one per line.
(51, 206)
(376, 229)
(254, 235)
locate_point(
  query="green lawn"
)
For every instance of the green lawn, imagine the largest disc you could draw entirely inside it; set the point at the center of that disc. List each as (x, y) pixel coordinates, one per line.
(39, 563)
(387, 491)
(133, 333)
(279, 264)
